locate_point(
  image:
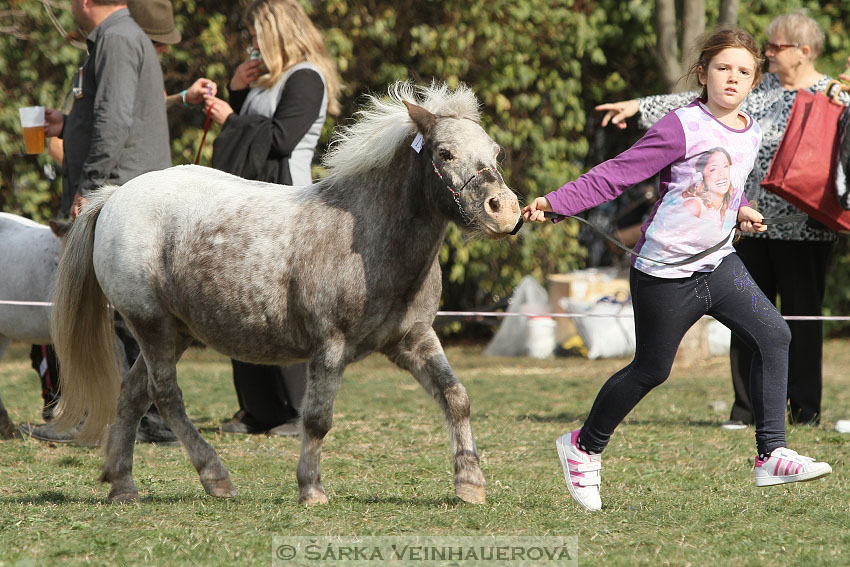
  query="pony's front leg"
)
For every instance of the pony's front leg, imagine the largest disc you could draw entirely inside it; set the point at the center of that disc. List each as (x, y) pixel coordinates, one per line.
(421, 353)
(325, 373)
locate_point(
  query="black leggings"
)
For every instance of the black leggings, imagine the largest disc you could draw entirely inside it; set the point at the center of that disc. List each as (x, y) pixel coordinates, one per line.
(664, 310)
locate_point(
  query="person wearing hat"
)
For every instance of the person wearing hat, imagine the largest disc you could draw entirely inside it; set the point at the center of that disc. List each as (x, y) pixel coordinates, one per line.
(116, 130)
(156, 18)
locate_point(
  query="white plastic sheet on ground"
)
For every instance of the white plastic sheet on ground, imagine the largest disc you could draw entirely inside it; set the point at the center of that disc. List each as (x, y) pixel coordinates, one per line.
(604, 337)
(718, 338)
(524, 336)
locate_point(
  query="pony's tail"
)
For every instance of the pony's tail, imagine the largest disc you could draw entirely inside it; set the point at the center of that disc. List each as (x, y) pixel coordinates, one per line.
(83, 333)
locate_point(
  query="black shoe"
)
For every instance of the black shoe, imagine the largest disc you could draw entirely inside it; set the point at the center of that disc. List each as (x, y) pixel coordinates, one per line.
(811, 420)
(153, 429)
(288, 429)
(47, 432)
(237, 425)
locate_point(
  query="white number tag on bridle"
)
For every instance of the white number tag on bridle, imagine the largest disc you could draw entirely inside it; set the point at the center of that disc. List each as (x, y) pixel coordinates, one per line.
(417, 143)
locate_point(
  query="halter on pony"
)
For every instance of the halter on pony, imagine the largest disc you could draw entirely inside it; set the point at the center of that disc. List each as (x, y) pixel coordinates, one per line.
(456, 192)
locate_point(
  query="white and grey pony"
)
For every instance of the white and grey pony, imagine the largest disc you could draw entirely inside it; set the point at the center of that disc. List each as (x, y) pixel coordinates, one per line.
(29, 252)
(327, 273)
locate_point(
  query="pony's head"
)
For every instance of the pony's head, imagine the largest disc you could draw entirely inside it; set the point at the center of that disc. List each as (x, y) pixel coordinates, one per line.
(465, 159)
(458, 159)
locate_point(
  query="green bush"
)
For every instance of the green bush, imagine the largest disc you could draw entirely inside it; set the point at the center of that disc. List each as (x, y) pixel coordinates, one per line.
(538, 68)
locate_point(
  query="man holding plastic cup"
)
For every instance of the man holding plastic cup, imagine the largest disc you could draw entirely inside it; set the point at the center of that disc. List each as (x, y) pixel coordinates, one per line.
(115, 131)
(117, 128)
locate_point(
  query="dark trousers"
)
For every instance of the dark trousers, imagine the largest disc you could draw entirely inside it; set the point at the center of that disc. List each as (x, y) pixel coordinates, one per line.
(43, 359)
(796, 272)
(269, 395)
(664, 310)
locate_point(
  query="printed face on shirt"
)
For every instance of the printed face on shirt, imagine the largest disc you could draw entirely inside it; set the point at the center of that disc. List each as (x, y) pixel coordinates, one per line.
(711, 187)
(728, 78)
(716, 175)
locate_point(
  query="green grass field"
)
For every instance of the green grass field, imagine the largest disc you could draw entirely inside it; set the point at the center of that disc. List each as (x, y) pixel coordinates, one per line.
(677, 489)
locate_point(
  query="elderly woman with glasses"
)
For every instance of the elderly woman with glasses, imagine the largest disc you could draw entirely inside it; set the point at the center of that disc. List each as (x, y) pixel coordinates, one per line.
(789, 260)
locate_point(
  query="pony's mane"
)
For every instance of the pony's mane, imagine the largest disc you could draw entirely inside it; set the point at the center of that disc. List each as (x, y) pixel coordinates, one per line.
(384, 124)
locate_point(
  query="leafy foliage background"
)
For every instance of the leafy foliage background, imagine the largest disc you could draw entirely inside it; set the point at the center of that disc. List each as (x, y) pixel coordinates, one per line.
(538, 67)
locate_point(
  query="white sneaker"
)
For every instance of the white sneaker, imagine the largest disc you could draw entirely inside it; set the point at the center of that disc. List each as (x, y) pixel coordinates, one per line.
(581, 471)
(785, 465)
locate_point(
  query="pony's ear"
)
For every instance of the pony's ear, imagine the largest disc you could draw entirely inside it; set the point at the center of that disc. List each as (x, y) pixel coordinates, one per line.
(423, 119)
(60, 229)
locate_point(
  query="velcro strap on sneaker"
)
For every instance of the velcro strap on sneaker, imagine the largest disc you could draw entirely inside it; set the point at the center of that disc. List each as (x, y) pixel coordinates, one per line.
(589, 467)
(588, 481)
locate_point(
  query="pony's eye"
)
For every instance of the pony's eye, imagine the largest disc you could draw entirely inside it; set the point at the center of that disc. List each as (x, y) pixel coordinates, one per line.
(446, 155)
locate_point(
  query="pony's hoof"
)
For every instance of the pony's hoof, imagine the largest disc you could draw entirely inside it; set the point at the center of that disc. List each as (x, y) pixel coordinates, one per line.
(7, 428)
(471, 493)
(119, 497)
(12, 433)
(220, 487)
(313, 497)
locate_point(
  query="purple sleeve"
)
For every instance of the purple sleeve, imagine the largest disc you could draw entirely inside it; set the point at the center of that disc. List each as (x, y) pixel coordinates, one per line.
(662, 145)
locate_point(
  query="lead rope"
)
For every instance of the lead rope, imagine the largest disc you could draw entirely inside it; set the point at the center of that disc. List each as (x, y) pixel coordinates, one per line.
(207, 123)
(689, 259)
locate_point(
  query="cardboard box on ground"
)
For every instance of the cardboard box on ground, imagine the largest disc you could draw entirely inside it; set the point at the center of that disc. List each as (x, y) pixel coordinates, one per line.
(605, 291)
(602, 295)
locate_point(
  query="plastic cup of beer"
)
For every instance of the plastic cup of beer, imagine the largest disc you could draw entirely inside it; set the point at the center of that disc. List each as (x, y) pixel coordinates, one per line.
(32, 125)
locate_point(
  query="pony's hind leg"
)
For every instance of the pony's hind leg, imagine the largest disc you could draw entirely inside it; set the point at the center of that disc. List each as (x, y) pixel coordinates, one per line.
(121, 436)
(421, 353)
(325, 373)
(162, 347)
(7, 426)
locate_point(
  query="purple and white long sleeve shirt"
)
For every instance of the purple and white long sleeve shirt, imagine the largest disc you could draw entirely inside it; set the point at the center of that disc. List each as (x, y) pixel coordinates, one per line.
(703, 166)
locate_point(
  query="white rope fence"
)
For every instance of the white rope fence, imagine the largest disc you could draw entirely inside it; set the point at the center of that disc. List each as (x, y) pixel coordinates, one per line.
(475, 314)
(478, 314)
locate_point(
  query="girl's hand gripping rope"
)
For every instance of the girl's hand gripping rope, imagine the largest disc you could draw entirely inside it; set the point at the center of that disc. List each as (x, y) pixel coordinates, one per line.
(750, 220)
(535, 211)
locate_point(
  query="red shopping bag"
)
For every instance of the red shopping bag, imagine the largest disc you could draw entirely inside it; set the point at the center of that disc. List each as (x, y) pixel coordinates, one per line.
(803, 167)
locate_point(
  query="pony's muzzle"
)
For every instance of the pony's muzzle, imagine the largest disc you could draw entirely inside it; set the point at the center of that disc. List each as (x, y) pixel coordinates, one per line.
(502, 209)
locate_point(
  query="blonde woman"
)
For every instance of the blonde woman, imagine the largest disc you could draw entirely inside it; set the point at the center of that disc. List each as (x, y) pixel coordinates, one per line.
(279, 99)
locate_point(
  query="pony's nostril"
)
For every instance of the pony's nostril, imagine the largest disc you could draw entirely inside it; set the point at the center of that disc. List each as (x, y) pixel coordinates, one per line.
(494, 203)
